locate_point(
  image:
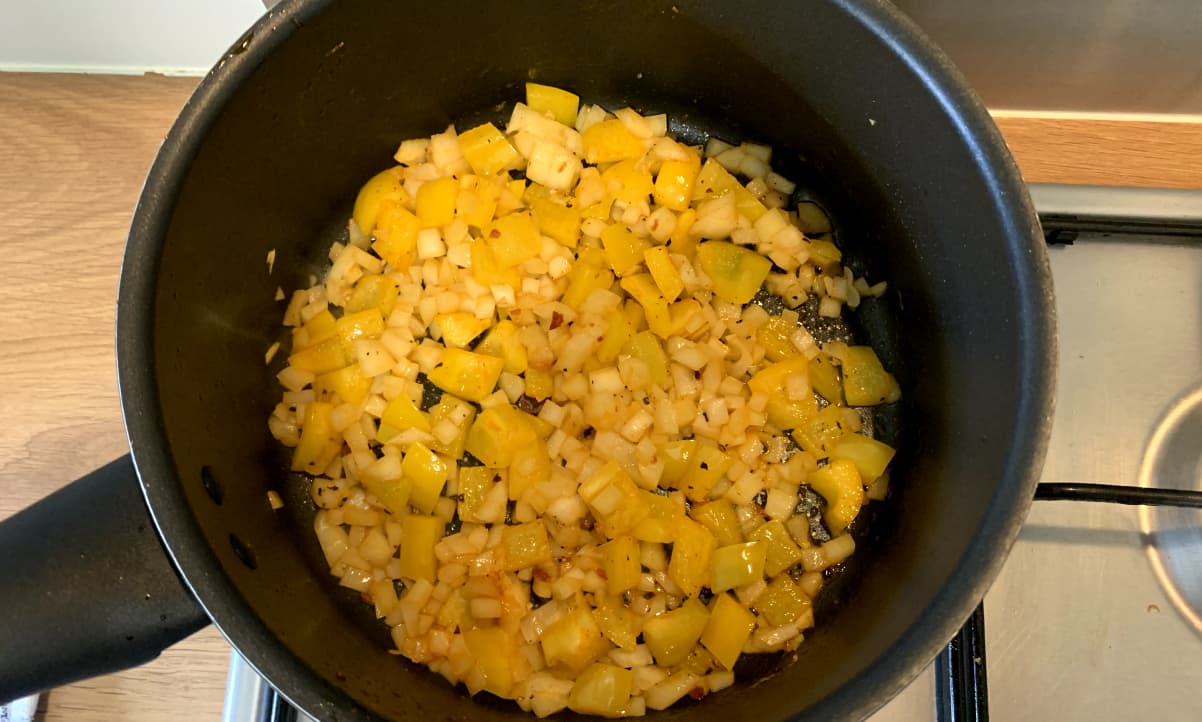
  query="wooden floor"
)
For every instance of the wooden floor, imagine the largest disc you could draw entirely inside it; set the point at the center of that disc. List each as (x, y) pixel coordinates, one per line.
(73, 152)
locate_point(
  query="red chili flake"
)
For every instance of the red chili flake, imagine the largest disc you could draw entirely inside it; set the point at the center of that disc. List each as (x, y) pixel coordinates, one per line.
(556, 320)
(698, 692)
(494, 233)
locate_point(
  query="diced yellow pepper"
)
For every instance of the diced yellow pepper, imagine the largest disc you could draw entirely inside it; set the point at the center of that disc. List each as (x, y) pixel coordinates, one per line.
(620, 559)
(714, 181)
(708, 465)
(737, 273)
(840, 484)
(574, 640)
(771, 379)
(865, 380)
(436, 201)
(824, 253)
(720, 518)
(819, 434)
(737, 565)
(602, 689)
(662, 520)
(683, 313)
(458, 328)
(497, 435)
(539, 383)
(531, 465)
(782, 602)
(674, 183)
(785, 413)
(524, 545)
(514, 238)
(328, 355)
(428, 473)
(392, 493)
(474, 484)
(623, 249)
(373, 291)
(477, 206)
(396, 236)
(461, 414)
(319, 328)
(672, 635)
(617, 622)
(557, 221)
(610, 141)
(584, 278)
(560, 104)
(493, 650)
(502, 342)
(318, 442)
(825, 377)
(664, 272)
(349, 383)
(692, 552)
(645, 347)
(361, 325)
(468, 375)
(616, 336)
(776, 336)
(486, 150)
(487, 270)
(384, 188)
(727, 630)
(402, 413)
(600, 209)
(677, 456)
(870, 456)
(644, 290)
(781, 552)
(681, 241)
(627, 182)
(419, 534)
(613, 499)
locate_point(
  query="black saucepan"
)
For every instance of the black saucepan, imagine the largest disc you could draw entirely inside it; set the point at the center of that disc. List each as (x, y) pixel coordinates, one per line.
(268, 154)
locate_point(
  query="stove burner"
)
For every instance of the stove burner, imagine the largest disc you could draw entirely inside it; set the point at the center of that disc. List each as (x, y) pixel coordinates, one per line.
(1173, 536)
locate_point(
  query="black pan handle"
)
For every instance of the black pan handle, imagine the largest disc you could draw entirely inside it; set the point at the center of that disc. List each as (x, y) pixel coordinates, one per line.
(86, 587)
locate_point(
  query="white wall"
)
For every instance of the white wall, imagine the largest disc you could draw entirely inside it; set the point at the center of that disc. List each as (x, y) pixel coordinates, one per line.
(183, 37)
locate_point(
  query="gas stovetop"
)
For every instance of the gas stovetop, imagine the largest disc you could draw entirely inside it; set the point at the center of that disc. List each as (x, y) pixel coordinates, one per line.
(1097, 614)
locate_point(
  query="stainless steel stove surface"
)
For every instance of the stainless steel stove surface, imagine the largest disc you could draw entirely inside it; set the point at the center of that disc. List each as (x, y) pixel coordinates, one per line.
(1096, 615)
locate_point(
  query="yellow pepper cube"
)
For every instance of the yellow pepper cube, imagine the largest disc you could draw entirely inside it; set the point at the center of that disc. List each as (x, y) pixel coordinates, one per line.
(476, 206)
(820, 434)
(671, 285)
(682, 241)
(573, 641)
(474, 484)
(514, 238)
(645, 347)
(781, 552)
(610, 141)
(468, 375)
(459, 328)
(662, 521)
(392, 493)
(539, 383)
(402, 413)
(457, 412)
(677, 455)
(349, 384)
(531, 465)
(865, 380)
(671, 636)
(736, 272)
(502, 342)
(627, 181)
(361, 325)
(674, 184)
(497, 435)
(374, 291)
(620, 559)
(560, 104)
(602, 689)
(318, 442)
(623, 249)
(771, 379)
(617, 622)
(329, 355)
(486, 150)
(692, 553)
(396, 236)
(785, 413)
(776, 336)
(613, 498)
(584, 278)
(617, 334)
(840, 484)
(727, 630)
(436, 202)
(870, 456)
(708, 465)
(783, 602)
(824, 253)
(419, 535)
(384, 188)
(524, 545)
(826, 379)
(644, 290)
(557, 221)
(493, 650)
(738, 565)
(319, 328)
(713, 181)
(428, 473)
(720, 518)
(487, 270)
